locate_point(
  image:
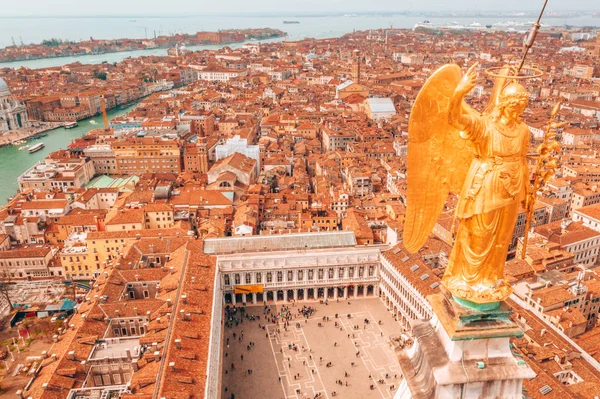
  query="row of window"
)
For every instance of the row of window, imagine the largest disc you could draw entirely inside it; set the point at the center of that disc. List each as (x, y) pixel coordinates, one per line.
(25, 263)
(351, 272)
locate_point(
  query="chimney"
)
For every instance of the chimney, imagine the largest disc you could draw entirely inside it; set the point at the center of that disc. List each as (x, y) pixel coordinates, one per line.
(154, 346)
(135, 311)
(172, 366)
(184, 298)
(169, 302)
(172, 269)
(182, 313)
(71, 355)
(178, 343)
(157, 356)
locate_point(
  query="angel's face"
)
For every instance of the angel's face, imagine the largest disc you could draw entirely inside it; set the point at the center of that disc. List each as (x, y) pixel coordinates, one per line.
(515, 108)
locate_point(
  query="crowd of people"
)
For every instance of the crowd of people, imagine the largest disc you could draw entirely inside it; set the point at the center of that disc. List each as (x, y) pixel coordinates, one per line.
(276, 321)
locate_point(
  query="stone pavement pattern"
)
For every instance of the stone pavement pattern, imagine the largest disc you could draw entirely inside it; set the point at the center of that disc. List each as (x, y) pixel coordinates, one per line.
(274, 363)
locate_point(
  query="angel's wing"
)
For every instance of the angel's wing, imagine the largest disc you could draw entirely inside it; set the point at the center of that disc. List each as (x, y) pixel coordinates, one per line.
(438, 159)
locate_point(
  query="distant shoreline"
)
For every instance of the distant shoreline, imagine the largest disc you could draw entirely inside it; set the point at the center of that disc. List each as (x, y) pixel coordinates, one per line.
(17, 53)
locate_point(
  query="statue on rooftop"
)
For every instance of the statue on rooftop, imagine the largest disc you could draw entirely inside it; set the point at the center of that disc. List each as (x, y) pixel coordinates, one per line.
(482, 157)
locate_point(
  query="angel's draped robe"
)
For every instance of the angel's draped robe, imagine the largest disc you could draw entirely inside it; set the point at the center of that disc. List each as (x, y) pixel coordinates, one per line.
(495, 186)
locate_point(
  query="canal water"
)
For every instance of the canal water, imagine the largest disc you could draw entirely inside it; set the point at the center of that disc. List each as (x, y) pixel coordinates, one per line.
(14, 162)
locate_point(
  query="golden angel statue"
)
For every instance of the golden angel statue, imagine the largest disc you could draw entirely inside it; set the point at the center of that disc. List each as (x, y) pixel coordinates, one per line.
(482, 156)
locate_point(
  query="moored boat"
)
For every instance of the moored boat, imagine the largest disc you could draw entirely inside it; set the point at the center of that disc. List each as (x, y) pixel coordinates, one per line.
(70, 125)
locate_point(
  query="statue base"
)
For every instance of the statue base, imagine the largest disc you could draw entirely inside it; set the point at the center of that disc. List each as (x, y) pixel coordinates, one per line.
(463, 353)
(482, 307)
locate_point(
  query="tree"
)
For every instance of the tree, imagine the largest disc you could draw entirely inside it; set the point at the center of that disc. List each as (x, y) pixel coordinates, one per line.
(100, 75)
(52, 42)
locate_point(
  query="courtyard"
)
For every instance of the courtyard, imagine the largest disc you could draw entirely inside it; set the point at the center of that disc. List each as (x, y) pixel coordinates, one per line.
(349, 356)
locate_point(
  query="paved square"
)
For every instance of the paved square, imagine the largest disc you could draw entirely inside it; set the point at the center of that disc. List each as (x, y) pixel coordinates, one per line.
(314, 356)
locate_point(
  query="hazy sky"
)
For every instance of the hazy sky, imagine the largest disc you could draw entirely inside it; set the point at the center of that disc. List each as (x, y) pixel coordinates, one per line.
(158, 7)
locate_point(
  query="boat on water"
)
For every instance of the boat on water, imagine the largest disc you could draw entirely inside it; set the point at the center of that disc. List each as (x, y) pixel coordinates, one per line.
(19, 142)
(70, 125)
(93, 122)
(449, 26)
(291, 22)
(23, 147)
(36, 148)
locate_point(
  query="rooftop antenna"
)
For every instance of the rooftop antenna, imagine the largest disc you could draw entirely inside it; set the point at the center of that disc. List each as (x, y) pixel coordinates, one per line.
(21, 39)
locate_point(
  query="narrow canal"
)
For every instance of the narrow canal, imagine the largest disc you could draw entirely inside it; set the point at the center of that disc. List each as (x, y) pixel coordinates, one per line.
(14, 162)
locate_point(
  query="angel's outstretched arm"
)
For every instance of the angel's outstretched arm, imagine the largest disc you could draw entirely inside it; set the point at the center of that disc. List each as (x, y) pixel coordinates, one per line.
(458, 116)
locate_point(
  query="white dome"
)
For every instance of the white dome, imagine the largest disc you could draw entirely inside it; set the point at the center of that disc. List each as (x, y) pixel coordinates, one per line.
(4, 88)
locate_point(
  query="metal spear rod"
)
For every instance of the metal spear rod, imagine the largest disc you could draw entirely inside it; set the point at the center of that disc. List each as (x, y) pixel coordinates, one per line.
(531, 38)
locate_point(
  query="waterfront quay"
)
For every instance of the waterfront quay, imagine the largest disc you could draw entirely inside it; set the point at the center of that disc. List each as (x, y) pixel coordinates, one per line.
(37, 130)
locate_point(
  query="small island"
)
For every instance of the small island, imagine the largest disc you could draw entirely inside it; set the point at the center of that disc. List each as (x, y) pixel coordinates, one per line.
(52, 48)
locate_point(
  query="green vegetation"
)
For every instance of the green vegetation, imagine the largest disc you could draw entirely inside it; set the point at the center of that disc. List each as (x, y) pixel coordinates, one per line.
(52, 42)
(100, 75)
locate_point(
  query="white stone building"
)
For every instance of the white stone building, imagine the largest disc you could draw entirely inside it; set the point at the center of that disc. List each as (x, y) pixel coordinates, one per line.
(307, 266)
(237, 144)
(380, 108)
(320, 266)
(13, 113)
